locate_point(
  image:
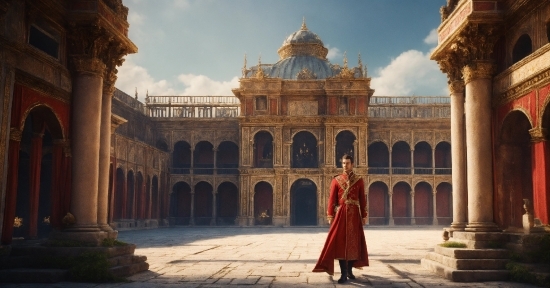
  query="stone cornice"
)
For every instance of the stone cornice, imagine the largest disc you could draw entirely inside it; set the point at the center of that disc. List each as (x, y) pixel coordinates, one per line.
(352, 120)
(42, 86)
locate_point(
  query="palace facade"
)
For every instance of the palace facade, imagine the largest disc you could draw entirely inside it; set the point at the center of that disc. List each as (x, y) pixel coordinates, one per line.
(267, 155)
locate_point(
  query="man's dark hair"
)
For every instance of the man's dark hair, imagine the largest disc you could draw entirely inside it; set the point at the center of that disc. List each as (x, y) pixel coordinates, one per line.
(347, 156)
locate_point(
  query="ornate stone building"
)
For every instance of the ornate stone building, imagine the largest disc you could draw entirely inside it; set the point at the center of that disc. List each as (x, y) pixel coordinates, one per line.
(496, 56)
(267, 156)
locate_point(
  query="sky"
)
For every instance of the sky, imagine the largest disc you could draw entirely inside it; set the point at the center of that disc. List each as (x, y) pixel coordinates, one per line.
(197, 47)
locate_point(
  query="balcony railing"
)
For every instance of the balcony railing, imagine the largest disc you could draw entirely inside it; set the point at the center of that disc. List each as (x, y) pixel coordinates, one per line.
(193, 106)
(407, 170)
(206, 169)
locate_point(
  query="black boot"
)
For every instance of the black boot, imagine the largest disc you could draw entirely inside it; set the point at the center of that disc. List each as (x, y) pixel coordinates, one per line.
(350, 267)
(344, 270)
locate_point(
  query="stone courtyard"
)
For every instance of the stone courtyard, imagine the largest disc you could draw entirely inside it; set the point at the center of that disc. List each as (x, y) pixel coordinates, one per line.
(276, 257)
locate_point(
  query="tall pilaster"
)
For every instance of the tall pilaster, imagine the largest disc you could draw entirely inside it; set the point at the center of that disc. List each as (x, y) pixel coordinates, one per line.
(192, 203)
(434, 210)
(413, 219)
(478, 81)
(391, 221)
(214, 208)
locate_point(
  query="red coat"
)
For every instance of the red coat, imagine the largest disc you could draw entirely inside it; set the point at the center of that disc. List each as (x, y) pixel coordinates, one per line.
(345, 239)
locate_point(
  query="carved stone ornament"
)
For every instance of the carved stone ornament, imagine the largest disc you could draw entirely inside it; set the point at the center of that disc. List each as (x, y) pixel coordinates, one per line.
(15, 134)
(306, 74)
(538, 134)
(451, 64)
(88, 65)
(475, 43)
(456, 87)
(478, 70)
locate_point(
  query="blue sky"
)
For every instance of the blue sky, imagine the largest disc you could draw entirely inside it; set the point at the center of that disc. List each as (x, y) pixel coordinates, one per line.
(196, 47)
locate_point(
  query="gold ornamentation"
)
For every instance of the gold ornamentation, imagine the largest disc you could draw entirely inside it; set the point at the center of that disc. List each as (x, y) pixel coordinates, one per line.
(87, 65)
(346, 73)
(520, 90)
(456, 87)
(260, 74)
(475, 43)
(15, 134)
(46, 220)
(445, 11)
(17, 222)
(478, 70)
(302, 49)
(538, 134)
(306, 74)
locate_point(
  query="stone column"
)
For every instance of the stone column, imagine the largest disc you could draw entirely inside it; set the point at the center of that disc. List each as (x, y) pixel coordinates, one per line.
(215, 171)
(11, 185)
(214, 206)
(192, 164)
(34, 199)
(478, 81)
(355, 153)
(390, 163)
(433, 160)
(86, 123)
(57, 180)
(391, 221)
(435, 221)
(104, 161)
(458, 152)
(541, 166)
(412, 161)
(192, 216)
(413, 220)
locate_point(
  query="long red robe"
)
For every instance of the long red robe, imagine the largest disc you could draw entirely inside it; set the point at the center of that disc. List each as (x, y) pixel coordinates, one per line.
(345, 239)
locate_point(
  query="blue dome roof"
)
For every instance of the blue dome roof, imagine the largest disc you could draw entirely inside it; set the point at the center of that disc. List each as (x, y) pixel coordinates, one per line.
(289, 68)
(303, 36)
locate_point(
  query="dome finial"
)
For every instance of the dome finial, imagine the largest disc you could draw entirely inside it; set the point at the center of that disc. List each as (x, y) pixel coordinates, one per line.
(345, 59)
(244, 67)
(360, 64)
(304, 27)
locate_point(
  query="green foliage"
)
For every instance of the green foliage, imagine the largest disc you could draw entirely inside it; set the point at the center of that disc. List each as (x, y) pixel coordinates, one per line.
(519, 273)
(537, 248)
(109, 242)
(91, 267)
(452, 244)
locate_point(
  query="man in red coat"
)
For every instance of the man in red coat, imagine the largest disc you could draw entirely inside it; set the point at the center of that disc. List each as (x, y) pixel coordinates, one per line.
(347, 213)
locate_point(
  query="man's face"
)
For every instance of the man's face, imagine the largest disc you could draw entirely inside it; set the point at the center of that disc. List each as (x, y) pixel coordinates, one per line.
(347, 165)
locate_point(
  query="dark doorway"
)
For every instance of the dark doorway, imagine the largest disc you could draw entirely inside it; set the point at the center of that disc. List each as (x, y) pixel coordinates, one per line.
(263, 204)
(303, 206)
(227, 204)
(378, 204)
(263, 150)
(180, 204)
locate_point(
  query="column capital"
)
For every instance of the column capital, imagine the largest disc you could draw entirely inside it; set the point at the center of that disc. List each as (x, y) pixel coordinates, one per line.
(478, 70)
(88, 65)
(456, 87)
(15, 134)
(538, 134)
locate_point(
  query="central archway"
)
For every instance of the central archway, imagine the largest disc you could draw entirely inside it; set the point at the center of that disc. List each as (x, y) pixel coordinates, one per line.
(303, 203)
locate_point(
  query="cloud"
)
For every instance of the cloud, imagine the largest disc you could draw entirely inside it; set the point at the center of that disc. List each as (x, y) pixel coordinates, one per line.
(132, 76)
(201, 85)
(431, 39)
(333, 53)
(408, 73)
(134, 18)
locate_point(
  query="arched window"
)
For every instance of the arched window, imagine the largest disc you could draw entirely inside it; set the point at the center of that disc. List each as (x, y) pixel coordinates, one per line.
(344, 145)
(304, 150)
(522, 48)
(263, 150)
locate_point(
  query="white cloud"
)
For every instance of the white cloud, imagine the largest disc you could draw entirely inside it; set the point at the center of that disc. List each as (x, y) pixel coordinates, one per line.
(202, 85)
(431, 39)
(134, 18)
(132, 76)
(410, 72)
(333, 53)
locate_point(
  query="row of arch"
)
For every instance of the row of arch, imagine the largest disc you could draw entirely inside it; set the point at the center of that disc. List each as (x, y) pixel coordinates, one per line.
(403, 206)
(136, 197)
(225, 158)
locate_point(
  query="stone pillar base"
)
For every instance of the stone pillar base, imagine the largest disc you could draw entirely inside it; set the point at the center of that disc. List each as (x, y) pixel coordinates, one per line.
(112, 234)
(480, 240)
(391, 222)
(279, 221)
(242, 221)
(482, 227)
(213, 222)
(192, 221)
(458, 226)
(86, 238)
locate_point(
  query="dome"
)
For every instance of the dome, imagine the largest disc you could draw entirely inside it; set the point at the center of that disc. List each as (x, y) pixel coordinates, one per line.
(303, 36)
(301, 67)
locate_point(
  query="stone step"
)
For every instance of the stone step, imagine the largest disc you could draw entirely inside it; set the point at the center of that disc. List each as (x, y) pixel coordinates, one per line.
(462, 253)
(127, 270)
(464, 275)
(32, 275)
(468, 264)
